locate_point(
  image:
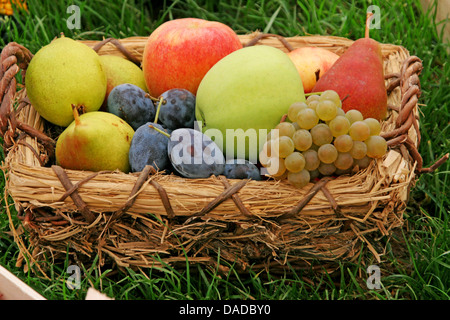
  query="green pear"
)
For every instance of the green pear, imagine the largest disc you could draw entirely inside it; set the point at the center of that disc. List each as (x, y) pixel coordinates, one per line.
(247, 93)
(65, 73)
(95, 141)
(119, 70)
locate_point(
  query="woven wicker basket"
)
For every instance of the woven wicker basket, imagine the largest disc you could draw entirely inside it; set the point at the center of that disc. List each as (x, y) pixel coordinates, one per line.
(149, 219)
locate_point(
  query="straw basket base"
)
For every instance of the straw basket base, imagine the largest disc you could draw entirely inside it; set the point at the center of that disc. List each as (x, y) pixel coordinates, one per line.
(148, 219)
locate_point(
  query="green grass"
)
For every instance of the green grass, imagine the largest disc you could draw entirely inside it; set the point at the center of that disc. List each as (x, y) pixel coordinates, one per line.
(417, 262)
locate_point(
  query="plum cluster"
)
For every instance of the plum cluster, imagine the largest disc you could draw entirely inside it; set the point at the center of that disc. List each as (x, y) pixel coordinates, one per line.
(165, 137)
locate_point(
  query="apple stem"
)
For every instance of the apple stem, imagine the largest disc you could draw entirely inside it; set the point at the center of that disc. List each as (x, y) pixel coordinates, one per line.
(157, 109)
(368, 20)
(76, 115)
(159, 130)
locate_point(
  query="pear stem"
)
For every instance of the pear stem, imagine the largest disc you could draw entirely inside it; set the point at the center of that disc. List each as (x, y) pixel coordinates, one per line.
(76, 115)
(159, 130)
(157, 109)
(368, 20)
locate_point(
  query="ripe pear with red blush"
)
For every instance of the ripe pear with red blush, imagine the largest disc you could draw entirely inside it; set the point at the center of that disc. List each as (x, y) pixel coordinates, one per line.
(358, 77)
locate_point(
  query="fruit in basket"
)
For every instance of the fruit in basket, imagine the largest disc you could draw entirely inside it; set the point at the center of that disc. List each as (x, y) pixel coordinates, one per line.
(95, 141)
(119, 70)
(180, 52)
(130, 103)
(149, 147)
(358, 77)
(194, 155)
(241, 169)
(247, 91)
(336, 146)
(177, 109)
(312, 63)
(65, 73)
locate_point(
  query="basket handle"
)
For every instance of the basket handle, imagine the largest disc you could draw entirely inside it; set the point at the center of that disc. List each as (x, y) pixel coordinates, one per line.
(120, 47)
(15, 57)
(409, 83)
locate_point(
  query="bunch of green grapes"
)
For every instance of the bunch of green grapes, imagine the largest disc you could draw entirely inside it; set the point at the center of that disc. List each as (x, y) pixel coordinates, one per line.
(320, 139)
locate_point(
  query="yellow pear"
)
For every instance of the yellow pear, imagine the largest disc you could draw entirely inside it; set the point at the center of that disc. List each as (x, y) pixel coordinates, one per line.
(119, 70)
(95, 141)
(65, 73)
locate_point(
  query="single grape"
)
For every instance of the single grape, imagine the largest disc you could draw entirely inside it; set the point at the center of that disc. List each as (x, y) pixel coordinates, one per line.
(344, 161)
(376, 146)
(307, 118)
(362, 163)
(313, 97)
(302, 139)
(275, 167)
(339, 125)
(285, 129)
(178, 109)
(286, 146)
(263, 158)
(129, 102)
(340, 112)
(333, 96)
(299, 179)
(343, 143)
(321, 134)
(312, 161)
(327, 169)
(359, 150)
(313, 104)
(295, 162)
(359, 131)
(327, 153)
(326, 110)
(374, 126)
(294, 109)
(354, 115)
(272, 147)
(241, 169)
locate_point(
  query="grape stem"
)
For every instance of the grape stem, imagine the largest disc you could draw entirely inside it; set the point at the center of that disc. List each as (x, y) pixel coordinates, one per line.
(312, 93)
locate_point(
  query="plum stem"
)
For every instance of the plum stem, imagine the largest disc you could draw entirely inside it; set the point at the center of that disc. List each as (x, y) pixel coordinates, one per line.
(368, 20)
(76, 115)
(157, 109)
(159, 130)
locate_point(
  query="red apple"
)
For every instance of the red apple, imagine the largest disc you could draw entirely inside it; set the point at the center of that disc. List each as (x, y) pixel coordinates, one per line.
(309, 61)
(180, 52)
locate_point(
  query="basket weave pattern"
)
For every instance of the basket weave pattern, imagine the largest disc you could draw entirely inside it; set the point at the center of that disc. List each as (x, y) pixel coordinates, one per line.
(147, 219)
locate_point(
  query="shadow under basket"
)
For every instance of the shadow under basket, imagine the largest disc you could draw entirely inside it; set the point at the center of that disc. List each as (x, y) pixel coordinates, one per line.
(150, 219)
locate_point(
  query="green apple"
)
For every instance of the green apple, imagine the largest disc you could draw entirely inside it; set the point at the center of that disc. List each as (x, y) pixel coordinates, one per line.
(244, 96)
